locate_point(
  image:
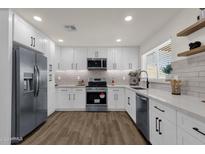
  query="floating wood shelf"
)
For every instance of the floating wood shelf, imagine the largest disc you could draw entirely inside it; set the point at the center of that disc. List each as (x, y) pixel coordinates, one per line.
(196, 26)
(192, 52)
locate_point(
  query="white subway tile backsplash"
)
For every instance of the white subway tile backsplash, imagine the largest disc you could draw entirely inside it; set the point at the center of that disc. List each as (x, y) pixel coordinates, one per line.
(192, 73)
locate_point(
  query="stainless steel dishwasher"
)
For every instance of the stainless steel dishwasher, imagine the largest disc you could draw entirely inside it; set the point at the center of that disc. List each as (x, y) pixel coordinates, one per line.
(142, 115)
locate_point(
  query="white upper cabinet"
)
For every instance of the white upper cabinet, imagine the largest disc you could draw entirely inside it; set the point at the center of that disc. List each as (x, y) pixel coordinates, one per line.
(115, 59)
(67, 59)
(130, 58)
(80, 58)
(97, 53)
(27, 35)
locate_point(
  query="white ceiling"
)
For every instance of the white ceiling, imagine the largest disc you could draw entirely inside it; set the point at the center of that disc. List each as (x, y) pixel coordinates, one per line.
(99, 27)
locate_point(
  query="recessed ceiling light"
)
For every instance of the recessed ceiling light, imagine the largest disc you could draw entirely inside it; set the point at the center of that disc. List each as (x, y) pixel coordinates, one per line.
(118, 40)
(37, 18)
(128, 18)
(60, 40)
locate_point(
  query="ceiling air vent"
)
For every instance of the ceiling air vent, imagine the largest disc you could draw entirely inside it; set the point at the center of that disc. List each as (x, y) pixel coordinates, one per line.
(70, 28)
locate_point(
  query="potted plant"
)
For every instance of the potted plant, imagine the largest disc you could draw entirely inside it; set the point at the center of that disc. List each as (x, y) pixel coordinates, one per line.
(167, 70)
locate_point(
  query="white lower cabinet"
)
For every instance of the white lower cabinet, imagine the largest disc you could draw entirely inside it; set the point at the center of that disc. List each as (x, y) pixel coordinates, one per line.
(116, 99)
(130, 103)
(162, 128)
(184, 138)
(70, 99)
(190, 130)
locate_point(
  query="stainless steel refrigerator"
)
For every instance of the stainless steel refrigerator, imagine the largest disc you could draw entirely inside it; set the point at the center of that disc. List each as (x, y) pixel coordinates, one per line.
(29, 105)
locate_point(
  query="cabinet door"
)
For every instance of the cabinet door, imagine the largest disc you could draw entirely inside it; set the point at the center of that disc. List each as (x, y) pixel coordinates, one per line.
(168, 132)
(61, 97)
(110, 59)
(133, 105)
(80, 58)
(79, 98)
(155, 138)
(183, 138)
(118, 58)
(97, 52)
(22, 32)
(67, 59)
(38, 40)
(130, 56)
(119, 98)
(111, 99)
(115, 59)
(128, 102)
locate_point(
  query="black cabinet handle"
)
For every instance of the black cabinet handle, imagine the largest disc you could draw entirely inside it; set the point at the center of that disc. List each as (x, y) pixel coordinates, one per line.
(156, 120)
(159, 109)
(196, 129)
(128, 100)
(160, 133)
(34, 42)
(31, 41)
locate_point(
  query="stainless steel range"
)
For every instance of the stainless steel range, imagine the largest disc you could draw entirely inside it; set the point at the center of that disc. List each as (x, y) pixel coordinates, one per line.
(96, 95)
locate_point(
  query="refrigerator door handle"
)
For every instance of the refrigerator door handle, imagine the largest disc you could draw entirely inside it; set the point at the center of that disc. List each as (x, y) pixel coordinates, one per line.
(35, 80)
(38, 81)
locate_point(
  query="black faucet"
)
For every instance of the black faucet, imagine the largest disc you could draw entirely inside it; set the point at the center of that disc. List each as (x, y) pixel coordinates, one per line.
(147, 77)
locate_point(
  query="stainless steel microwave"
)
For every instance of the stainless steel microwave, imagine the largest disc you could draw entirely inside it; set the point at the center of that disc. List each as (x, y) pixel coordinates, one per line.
(97, 64)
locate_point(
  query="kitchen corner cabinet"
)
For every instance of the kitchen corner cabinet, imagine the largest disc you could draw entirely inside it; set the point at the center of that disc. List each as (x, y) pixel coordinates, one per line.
(130, 103)
(70, 99)
(116, 99)
(163, 128)
(27, 35)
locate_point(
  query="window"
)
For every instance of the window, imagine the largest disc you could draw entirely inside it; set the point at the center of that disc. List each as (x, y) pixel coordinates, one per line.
(156, 59)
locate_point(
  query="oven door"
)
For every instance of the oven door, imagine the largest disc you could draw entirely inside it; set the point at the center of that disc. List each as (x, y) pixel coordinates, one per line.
(96, 97)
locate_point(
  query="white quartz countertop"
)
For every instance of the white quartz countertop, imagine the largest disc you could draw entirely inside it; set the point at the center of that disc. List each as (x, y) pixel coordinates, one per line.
(69, 86)
(184, 103)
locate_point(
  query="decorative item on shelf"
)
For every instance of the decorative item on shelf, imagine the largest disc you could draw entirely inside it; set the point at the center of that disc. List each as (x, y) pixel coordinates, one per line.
(134, 77)
(194, 45)
(167, 70)
(192, 51)
(176, 87)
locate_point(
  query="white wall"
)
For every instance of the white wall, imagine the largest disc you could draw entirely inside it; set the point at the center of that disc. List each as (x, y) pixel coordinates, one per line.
(184, 19)
(5, 77)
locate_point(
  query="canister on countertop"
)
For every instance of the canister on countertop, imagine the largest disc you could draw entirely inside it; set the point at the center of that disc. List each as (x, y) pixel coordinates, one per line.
(176, 87)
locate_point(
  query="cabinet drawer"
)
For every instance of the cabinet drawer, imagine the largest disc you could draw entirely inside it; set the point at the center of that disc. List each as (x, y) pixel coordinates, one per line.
(166, 112)
(79, 89)
(192, 126)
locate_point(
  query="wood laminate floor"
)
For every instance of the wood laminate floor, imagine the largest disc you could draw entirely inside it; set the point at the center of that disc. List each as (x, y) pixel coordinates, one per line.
(87, 128)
